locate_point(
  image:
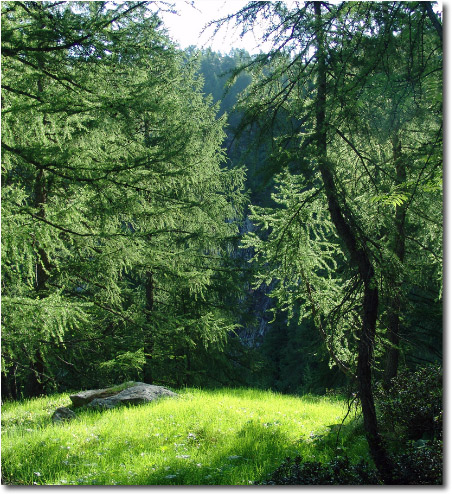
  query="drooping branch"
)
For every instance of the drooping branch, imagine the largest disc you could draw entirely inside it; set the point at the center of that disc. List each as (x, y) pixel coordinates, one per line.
(318, 322)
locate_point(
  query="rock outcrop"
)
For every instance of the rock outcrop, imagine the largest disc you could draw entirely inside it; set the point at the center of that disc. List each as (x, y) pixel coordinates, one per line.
(135, 393)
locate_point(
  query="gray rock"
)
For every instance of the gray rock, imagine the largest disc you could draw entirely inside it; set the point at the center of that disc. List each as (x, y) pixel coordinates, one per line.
(85, 397)
(63, 414)
(139, 393)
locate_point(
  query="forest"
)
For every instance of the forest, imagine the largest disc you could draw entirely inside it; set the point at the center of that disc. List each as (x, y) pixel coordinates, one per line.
(267, 226)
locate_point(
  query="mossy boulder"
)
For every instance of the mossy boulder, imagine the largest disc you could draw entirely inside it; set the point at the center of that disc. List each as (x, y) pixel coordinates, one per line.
(125, 394)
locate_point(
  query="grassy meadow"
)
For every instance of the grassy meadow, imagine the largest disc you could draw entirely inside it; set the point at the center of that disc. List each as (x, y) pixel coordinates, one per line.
(219, 437)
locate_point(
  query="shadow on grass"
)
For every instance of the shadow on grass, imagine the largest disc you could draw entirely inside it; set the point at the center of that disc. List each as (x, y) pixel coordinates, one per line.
(211, 460)
(211, 457)
(250, 455)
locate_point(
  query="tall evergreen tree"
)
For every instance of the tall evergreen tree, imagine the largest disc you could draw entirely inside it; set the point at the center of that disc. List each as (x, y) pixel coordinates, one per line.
(117, 210)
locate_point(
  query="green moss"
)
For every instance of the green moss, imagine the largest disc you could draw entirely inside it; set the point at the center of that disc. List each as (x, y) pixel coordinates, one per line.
(121, 387)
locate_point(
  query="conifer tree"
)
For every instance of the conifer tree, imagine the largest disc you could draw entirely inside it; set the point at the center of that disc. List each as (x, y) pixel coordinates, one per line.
(116, 206)
(321, 72)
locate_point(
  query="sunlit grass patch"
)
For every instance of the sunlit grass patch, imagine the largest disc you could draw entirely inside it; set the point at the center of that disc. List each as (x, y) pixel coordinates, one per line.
(221, 437)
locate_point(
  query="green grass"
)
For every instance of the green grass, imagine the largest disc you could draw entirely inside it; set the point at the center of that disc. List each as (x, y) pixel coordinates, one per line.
(221, 437)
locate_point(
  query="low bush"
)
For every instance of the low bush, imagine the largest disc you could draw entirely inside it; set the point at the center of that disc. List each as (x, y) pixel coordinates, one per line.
(412, 407)
(338, 471)
(410, 415)
(421, 463)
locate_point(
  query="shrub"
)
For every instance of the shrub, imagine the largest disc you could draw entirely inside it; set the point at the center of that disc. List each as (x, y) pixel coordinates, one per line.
(338, 471)
(412, 406)
(410, 414)
(421, 464)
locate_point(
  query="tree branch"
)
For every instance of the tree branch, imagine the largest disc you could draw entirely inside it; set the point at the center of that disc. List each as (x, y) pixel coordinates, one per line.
(43, 49)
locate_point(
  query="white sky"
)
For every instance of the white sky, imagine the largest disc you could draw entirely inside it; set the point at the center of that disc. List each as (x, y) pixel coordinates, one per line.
(186, 28)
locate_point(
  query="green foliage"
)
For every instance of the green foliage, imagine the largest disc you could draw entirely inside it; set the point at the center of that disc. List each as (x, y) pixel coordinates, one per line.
(382, 126)
(411, 417)
(124, 366)
(297, 246)
(352, 79)
(339, 471)
(411, 420)
(421, 464)
(121, 213)
(295, 359)
(412, 407)
(118, 211)
(417, 466)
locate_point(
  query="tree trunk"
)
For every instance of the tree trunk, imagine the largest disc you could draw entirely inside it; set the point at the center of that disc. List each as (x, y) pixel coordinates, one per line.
(148, 340)
(360, 258)
(435, 21)
(392, 354)
(43, 265)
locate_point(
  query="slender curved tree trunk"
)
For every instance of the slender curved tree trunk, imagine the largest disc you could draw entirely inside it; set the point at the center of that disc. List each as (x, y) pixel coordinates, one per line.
(435, 21)
(360, 258)
(42, 275)
(43, 265)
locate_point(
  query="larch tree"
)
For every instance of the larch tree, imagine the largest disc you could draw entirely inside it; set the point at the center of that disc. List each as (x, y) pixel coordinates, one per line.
(335, 243)
(117, 206)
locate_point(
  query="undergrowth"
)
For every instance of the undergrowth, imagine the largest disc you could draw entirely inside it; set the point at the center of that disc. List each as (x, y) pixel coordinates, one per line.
(222, 437)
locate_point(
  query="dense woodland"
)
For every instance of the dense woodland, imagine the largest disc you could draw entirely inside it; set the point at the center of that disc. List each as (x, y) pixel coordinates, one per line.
(185, 217)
